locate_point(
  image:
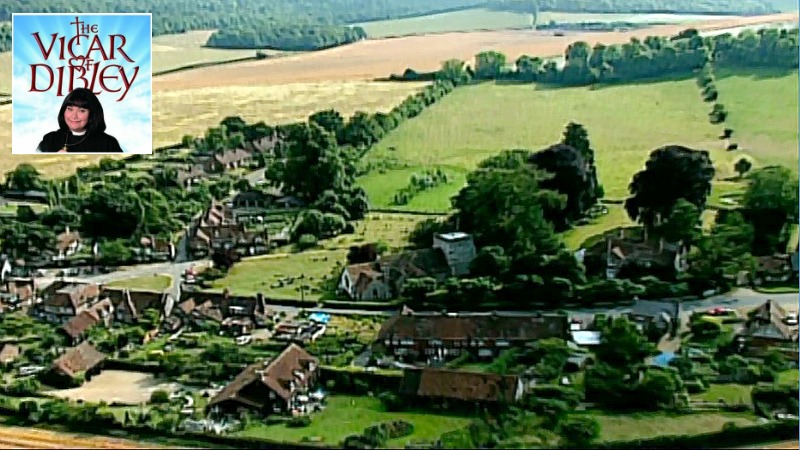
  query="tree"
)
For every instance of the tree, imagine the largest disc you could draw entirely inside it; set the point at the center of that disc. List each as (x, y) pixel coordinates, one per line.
(688, 174)
(505, 207)
(770, 203)
(623, 346)
(330, 120)
(658, 389)
(24, 177)
(490, 261)
(682, 224)
(724, 252)
(579, 430)
(114, 253)
(159, 397)
(742, 166)
(489, 64)
(455, 71)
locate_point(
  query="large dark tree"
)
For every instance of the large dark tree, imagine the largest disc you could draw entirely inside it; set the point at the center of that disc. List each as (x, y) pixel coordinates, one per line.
(672, 173)
(770, 204)
(572, 176)
(506, 206)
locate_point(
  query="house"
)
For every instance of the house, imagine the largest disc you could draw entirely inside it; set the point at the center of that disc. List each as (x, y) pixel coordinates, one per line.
(31, 196)
(440, 385)
(18, 293)
(647, 255)
(265, 145)
(766, 327)
(227, 160)
(772, 268)
(190, 175)
(130, 305)
(156, 248)
(459, 250)
(272, 386)
(9, 353)
(664, 314)
(101, 312)
(63, 300)
(384, 278)
(208, 239)
(253, 199)
(83, 359)
(236, 315)
(67, 244)
(414, 336)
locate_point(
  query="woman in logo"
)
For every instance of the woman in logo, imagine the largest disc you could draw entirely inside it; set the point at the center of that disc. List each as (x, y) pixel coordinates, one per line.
(81, 127)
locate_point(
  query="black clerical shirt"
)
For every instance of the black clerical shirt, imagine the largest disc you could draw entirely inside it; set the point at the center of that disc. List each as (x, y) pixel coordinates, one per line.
(87, 143)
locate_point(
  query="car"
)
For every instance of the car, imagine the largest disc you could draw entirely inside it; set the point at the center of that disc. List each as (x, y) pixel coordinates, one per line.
(791, 319)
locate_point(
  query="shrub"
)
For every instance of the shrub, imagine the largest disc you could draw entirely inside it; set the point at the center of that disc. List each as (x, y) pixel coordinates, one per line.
(307, 241)
(299, 422)
(159, 397)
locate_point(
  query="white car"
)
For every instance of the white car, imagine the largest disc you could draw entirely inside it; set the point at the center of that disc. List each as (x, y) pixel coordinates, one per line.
(791, 319)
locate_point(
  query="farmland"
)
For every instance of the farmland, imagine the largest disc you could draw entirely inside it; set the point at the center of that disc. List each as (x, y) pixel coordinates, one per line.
(476, 122)
(480, 19)
(370, 59)
(16, 437)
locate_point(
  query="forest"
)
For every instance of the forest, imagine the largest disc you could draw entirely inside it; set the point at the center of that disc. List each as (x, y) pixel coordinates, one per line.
(310, 25)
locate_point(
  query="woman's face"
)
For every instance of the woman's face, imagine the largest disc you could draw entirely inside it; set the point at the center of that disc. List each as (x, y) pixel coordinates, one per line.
(76, 118)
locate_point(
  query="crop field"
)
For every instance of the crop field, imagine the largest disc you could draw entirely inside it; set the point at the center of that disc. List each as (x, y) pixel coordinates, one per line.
(476, 122)
(18, 437)
(763, 113)
(192, 111)
(481, 19)
(179, 50)
(375, 58)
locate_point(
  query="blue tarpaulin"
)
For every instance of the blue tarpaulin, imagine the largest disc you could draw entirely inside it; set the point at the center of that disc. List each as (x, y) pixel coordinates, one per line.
(320, 317)
(663, 359)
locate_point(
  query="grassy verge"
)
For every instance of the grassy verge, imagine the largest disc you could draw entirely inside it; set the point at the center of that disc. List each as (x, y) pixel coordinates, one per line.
(149, 283)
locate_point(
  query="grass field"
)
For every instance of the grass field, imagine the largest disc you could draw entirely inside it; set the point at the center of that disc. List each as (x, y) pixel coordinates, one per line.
(730, 392)
(486, 19)
(789, 377)
(763, 113)
(648, 425)
(346, 415)
(192, 111)
(265, 273)
(152, 283)
(476, 122)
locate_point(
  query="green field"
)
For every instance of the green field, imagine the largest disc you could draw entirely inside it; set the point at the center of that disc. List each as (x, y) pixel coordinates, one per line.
(486, 19)
(345, 415)
(730, 392)
(647, 425)
(625, 123)
(763, 113)
(149, 283)
(316, 266)
(789, 377)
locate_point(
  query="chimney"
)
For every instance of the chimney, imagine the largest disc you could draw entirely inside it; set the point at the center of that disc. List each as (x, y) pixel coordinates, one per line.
(622, 233)
(67, 230)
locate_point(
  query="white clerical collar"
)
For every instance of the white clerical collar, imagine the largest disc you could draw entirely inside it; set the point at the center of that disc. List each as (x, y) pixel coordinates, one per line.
(75, 133)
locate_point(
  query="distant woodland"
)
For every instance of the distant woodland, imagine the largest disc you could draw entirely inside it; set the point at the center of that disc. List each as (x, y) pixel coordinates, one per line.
(316, 24)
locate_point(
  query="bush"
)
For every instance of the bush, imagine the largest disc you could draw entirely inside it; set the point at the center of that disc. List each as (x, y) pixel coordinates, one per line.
(159, 397)
(307, 241)
(695, 386)
(299, 422)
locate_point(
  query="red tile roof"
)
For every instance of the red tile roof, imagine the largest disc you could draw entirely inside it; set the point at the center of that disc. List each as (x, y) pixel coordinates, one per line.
(78, 359)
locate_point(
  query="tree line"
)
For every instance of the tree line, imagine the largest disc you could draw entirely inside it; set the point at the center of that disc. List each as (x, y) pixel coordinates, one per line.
(638, 6)
(654, 56)
(279, 24)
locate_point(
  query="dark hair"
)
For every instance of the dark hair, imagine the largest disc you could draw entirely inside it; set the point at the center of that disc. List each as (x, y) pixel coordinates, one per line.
(84, 98)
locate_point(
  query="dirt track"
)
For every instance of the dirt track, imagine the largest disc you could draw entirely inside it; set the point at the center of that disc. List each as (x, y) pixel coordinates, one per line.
(15, 437)
(372, 59)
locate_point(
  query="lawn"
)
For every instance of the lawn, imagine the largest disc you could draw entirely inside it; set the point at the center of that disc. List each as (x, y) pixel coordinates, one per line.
(616, 217)
(382, 187)
(479, 19)
(150, 283)
(730, 392)
(346, 415)
(271, 274)
(763, 113)
(647, 425)
(625, 123)
(789, 377)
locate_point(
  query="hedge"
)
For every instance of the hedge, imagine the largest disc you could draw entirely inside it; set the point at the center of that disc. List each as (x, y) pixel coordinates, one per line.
(727, 438)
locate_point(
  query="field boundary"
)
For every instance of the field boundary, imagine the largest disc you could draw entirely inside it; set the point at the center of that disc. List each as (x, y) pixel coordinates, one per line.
(208, 64)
